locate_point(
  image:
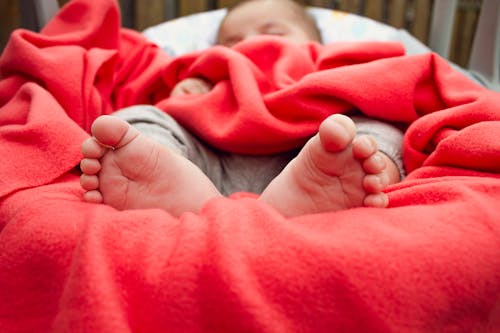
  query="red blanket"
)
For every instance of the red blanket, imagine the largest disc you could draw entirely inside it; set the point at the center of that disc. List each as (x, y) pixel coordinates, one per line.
(429, 263)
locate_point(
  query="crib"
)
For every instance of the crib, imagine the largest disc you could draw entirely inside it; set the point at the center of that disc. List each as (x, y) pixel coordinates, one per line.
(430, 262)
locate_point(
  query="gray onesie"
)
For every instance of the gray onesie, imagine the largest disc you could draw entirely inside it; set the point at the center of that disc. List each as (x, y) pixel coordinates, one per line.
(234, 172)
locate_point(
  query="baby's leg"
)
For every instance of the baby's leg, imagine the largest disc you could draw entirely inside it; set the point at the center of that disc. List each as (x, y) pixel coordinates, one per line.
(126, 170)
(333, 171)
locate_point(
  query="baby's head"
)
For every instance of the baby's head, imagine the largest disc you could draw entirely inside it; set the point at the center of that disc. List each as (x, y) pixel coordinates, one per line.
(249, 18)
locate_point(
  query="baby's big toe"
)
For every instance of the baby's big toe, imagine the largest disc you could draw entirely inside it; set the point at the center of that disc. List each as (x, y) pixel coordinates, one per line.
(113, 132)
(336, 132)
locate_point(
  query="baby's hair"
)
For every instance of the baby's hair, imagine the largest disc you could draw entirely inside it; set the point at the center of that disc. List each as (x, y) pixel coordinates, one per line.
(298, 6)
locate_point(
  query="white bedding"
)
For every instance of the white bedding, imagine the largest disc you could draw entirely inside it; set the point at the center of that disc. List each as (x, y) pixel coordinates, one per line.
(197, 31)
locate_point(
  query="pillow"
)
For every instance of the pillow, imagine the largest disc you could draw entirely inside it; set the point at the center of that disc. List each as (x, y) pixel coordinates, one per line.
(198, 31)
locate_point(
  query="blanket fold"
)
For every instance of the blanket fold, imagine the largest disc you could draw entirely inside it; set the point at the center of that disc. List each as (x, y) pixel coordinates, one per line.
(428, 263)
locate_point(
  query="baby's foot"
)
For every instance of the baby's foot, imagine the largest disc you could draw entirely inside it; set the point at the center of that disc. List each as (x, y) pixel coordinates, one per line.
(333, 171)
(126, 170)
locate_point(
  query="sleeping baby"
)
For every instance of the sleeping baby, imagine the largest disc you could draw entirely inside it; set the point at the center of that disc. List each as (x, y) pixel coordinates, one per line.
(156, 163)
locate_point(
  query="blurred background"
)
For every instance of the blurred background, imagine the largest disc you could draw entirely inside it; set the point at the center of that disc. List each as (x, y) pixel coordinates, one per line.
(412, 15)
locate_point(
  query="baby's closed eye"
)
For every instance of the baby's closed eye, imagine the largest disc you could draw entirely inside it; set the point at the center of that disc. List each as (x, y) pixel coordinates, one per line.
(274, 29)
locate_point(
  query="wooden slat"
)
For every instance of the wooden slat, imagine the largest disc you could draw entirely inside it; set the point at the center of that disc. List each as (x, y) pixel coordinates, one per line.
(171, 9)
(485, 53)
(463, 35)
(187, 7)
(351, 6)
(421, 20)
(28, 17)
(148, 13)
(469, 28)
(226, 3)
(396, 13)
(127, 13)
(9, 20)
(374, 9)
(319, 3)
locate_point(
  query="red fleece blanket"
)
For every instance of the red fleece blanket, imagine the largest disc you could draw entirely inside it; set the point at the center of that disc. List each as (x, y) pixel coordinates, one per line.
(428, 263)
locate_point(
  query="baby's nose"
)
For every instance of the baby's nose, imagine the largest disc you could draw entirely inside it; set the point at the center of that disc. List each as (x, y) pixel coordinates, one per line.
(250, 35)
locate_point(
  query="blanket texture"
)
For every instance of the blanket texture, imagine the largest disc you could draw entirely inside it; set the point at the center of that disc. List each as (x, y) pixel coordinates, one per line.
(428, 263)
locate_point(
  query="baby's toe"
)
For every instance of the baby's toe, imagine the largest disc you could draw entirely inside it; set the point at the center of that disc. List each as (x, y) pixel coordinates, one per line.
(90, 166)
(89, 182)
(364, 146)
(92, 149)
(378, 200)
(336, 132)
(374, 163)
(93, 197)
(375, 183)
(113, 132)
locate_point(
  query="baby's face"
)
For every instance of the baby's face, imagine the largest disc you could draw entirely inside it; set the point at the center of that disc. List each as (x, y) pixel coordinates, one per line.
(264, 17)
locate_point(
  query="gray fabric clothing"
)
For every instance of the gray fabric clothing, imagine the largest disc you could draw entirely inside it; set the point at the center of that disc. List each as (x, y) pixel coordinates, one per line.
(388, 137)
(234, 172)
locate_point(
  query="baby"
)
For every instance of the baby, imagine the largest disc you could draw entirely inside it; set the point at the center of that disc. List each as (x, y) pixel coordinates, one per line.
(250, 18)
(335, 170)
